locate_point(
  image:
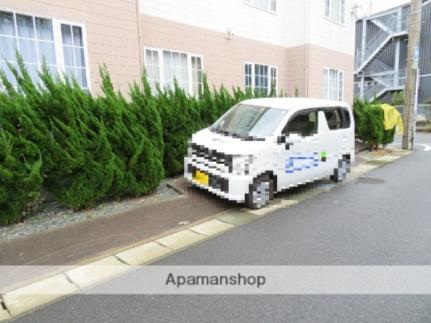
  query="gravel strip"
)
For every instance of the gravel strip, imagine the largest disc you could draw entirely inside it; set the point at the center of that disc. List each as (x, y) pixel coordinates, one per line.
(53, 216)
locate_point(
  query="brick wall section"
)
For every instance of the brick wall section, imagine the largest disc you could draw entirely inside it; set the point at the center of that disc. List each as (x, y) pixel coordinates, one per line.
(112, 32)
(223, 59)
(113, 39)
(296, 70)
(319, 58)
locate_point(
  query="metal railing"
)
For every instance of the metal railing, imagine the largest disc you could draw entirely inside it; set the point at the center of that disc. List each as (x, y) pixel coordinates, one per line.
(372, 89)
(390, 25)
(371, 47)
(376, 66)
(423, 114)
(394, 22)
(392, 80)
(381, 84)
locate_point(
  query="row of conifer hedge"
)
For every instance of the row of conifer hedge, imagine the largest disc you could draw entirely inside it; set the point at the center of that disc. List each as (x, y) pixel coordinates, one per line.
(369, 124)
(58, 138)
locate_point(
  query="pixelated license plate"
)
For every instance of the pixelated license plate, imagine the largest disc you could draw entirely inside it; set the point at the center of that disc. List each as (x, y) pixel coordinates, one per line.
(201, 177)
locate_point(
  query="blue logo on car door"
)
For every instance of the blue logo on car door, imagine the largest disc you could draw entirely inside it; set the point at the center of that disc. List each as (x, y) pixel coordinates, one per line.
(300, 163)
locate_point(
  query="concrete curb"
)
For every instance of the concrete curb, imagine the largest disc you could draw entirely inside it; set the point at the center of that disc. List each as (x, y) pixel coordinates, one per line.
(4, 314)
(50, 289)
(34, 295)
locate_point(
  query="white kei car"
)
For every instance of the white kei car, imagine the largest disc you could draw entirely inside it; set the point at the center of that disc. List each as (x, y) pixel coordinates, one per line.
(263, 146)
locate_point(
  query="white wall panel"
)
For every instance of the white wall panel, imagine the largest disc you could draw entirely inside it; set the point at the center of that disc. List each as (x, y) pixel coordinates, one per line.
(329, 34)
(296, 22)
(284, 28)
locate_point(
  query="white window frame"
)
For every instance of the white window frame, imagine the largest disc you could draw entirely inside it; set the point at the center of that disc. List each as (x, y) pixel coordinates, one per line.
(58, 41)
(326, 89)
(329, 14)
(253, 76)
(276, 78)
(162, 66)
(57, 29)
(271, 6)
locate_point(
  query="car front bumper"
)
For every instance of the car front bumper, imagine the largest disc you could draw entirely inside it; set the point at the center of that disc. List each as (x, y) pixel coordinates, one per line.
(228, 186)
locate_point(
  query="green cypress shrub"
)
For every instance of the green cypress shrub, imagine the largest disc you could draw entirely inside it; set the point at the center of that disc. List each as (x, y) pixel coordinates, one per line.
(77, 164)
(180, 115)
(20, 176)
(145, 105)
(20, 161)
(369, 122)
(129, 127)
(388, 136)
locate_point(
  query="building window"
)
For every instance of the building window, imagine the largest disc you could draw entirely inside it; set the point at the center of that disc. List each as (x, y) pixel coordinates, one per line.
(274, 82)
(152, 66)
(34, 38)
(335, 10)
(197, 77)
(165, 66)
(261, 78)
(333, 84)
(268, 5)
(176, 67)
(74, 53)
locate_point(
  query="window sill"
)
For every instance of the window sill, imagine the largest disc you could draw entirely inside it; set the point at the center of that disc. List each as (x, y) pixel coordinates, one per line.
(335, 22)
(261, 9)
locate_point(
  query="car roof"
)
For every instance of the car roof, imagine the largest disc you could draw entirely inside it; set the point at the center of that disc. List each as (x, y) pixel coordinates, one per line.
(294, 103)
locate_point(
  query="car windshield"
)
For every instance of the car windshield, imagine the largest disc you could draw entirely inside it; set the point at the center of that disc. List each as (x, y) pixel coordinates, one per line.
(249, 121)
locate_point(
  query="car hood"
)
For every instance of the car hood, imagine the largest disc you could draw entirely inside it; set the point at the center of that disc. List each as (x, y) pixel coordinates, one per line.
(227, 144)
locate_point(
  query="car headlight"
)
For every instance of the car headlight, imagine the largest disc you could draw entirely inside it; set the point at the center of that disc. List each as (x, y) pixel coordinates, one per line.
(241, 164)
(190, 148)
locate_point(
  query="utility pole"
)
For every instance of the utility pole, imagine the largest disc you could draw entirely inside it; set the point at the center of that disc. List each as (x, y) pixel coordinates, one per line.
(411, 97)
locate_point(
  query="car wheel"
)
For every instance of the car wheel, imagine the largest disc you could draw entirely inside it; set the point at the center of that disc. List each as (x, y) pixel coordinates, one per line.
(260, 192)
(340, 173)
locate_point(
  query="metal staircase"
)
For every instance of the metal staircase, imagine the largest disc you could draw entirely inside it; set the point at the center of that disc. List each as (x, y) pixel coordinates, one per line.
(389, 28)
(378, 77)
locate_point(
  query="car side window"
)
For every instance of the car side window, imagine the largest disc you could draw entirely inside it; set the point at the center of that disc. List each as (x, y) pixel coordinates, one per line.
(346, 118)
(334, 119)
(304, 124)
(337, 118)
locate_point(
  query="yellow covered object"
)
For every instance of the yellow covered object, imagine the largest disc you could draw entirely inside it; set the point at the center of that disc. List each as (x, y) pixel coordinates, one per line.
(392, 118)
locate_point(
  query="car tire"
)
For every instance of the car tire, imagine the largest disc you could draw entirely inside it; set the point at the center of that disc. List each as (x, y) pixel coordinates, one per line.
(340, 173)
(260, 192)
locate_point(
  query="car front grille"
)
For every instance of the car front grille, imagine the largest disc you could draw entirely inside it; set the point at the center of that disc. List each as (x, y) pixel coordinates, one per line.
(211, 158)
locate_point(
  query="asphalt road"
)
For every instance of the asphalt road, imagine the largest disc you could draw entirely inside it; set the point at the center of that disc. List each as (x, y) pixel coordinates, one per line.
(383, 220)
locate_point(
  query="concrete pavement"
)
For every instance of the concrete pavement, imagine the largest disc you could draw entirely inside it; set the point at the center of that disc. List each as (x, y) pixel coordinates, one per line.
(333, 228)
(95, 238)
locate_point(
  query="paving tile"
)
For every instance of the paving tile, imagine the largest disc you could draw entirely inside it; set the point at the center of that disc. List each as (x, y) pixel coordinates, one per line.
(389, 158)
(37, 294)
(362, 169)
(144, 254)
(181, 239)
(238, 217)
(96, 272)
(4, 315)
(212, 227)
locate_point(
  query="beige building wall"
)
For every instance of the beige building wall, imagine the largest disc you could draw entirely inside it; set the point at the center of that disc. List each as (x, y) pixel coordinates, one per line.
(296, 70)
(111, 29)
(300, 68)
(223, 59)
(319, 58)
(116, 35)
